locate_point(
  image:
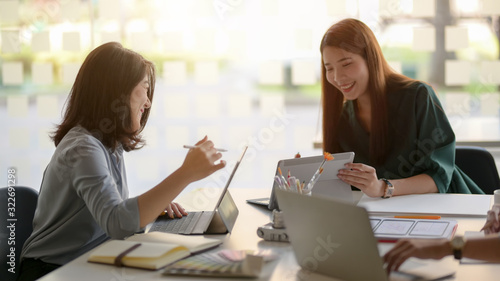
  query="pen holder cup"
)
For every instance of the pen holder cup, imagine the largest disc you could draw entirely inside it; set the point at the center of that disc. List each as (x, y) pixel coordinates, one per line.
(496, 196)
(277, 219)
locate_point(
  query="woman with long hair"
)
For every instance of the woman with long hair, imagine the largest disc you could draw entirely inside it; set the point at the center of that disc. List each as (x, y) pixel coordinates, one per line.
(396, 126)
(83, 197)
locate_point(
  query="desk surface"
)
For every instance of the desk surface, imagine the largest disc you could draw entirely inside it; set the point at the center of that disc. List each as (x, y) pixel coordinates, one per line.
(244, 236)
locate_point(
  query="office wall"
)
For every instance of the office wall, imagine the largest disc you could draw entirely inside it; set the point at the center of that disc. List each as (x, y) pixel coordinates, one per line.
(241, 72)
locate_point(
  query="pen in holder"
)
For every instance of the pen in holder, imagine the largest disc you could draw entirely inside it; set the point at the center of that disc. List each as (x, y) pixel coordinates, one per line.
(319, 171)
(292, 184)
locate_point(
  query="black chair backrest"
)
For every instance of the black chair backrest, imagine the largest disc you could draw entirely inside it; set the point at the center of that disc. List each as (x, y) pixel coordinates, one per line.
(18, 205)
(479, 165)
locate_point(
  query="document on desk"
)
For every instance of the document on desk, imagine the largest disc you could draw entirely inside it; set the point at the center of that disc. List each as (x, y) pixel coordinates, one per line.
(392, 229)
(435, 203)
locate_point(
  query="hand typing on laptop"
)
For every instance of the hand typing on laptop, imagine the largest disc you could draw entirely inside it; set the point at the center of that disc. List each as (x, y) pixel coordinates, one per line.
(219, 220)
(419, 248)
(174, 210)
(483, 248)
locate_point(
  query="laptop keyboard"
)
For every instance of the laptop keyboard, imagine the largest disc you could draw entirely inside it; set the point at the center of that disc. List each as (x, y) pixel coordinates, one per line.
(176, 225)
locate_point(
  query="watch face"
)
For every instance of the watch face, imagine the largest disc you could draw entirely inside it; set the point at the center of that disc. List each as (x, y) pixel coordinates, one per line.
(389, 191)
(458, 242)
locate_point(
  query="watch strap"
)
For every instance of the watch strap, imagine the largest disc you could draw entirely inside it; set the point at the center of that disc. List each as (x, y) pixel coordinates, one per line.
(389, 188)
(457, 253)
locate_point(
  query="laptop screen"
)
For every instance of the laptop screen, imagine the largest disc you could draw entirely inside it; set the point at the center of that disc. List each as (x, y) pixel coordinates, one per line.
(224, 191)
(336, 239)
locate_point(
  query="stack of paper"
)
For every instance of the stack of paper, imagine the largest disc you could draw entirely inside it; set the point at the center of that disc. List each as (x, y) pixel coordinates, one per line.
(224, 263)
(435, 203)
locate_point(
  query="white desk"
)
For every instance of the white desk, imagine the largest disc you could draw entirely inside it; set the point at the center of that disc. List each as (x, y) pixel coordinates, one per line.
(244, 236)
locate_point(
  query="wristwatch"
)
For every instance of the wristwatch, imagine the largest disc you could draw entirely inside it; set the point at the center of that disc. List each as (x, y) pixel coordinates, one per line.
(389, 188)
(457, 244)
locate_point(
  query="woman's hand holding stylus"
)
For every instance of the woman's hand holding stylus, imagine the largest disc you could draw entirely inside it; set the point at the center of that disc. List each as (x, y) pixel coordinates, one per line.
(200, 161)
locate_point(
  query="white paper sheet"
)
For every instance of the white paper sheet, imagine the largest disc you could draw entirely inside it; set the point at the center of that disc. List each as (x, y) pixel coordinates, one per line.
(436, 203)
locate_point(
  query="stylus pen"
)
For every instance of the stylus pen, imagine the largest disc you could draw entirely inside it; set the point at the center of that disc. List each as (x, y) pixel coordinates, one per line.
(218, 149)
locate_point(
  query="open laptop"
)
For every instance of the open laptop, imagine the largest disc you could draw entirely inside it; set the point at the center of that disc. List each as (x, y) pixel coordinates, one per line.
(335, 238)
(220, 220)
(304, 168)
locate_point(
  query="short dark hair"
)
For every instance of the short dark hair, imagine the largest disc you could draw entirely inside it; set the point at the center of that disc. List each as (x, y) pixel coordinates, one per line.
(99, 100)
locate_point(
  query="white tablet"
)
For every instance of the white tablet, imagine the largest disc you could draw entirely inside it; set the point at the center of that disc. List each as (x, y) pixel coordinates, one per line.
(328, 185)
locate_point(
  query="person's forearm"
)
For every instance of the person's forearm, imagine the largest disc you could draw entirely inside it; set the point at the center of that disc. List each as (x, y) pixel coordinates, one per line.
(154, 201)
(487, 248)
(422, 183)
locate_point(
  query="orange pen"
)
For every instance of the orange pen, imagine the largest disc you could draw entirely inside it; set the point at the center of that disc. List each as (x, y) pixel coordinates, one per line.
(419, 217)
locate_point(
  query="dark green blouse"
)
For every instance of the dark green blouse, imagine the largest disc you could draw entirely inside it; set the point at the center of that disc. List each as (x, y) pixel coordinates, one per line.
(421, 140)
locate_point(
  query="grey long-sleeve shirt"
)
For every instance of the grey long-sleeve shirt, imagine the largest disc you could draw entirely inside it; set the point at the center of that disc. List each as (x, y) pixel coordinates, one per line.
(83, 200)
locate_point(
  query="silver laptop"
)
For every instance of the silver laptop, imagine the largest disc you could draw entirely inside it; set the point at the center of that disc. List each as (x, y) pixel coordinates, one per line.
(217, 221)
(335, 238)
(304, 168)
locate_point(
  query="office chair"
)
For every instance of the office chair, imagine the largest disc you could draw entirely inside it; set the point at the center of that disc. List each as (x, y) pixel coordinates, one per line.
(479, 165)
(15, 228)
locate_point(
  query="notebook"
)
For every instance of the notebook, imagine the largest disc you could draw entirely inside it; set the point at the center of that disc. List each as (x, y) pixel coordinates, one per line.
(304, 168)
(151, 250)
(335, 238)
(219, 220)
